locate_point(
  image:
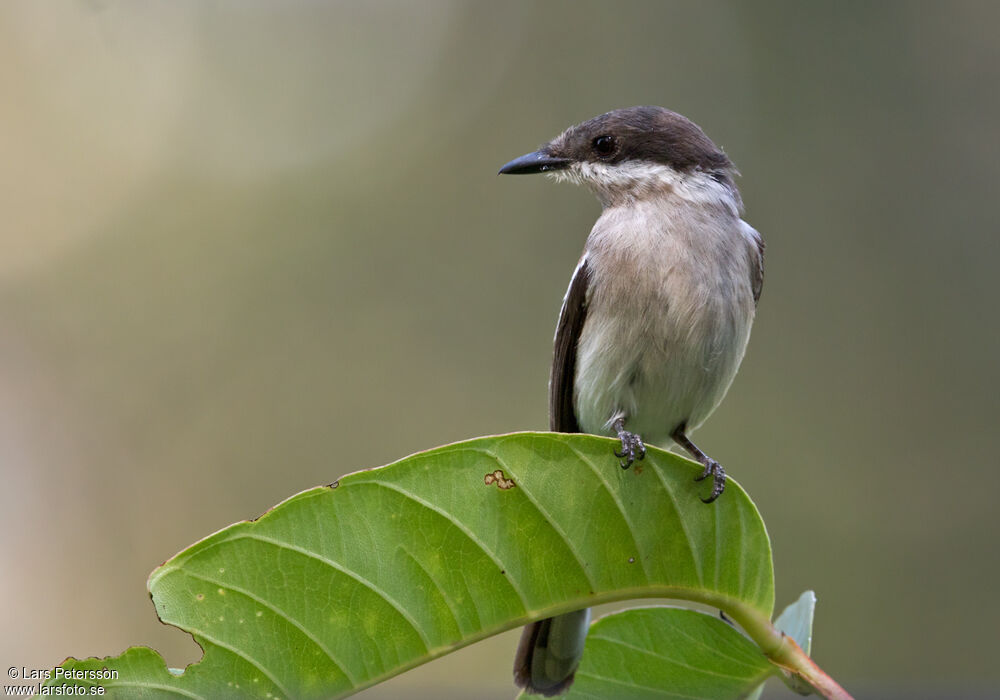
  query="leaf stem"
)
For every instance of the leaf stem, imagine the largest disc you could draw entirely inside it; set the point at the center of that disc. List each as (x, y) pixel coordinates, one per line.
(785, 653)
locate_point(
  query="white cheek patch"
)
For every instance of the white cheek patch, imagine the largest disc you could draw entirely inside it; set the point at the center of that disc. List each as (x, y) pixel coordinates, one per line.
(570, 174)
(629, 174)
(633, 180)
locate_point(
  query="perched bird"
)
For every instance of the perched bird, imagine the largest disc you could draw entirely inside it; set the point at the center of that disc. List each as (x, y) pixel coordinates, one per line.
(657, 315)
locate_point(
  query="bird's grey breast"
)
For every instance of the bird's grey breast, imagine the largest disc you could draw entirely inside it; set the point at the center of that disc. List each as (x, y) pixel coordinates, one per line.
(669, 310)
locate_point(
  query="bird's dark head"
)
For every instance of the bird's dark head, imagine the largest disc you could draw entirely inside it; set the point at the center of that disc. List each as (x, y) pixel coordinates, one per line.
(630, 152)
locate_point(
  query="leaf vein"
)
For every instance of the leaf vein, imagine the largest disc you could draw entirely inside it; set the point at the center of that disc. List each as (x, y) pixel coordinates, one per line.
(660, 692)
(282, 614)
(444, 596)
(671, 660)
(461, 526)
(621, 508)
(700, 642)
(552, 522)
(680, 518)
(370, 585)
(246, 657)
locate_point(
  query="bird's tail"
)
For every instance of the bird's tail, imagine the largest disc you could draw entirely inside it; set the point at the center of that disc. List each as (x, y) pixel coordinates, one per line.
(549, 653)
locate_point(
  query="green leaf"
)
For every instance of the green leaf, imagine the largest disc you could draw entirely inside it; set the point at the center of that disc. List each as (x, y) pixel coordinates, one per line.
(665, 652)
(797, 620)
(341, 587)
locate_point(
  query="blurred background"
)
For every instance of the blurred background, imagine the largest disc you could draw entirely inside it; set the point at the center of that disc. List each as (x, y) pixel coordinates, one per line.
(247, 247)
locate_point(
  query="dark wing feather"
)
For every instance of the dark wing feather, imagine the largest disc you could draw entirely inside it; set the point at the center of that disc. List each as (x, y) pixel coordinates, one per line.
(535, 667)
(756, 261)
(562, 417)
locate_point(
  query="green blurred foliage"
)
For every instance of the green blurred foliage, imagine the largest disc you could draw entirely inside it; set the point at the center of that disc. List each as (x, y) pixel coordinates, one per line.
(240, 236)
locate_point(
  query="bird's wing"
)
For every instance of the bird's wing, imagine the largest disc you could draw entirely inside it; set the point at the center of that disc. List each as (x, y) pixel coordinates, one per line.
(757, 259)
(562, 417)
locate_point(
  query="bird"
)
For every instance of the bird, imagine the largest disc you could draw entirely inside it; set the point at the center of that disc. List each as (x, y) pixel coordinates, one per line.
(657, 316)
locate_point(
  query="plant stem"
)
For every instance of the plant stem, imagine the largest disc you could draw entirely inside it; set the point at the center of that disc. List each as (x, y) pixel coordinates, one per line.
(785, 653)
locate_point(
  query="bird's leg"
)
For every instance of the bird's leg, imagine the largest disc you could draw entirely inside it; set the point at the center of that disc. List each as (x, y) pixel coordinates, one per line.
(712, 467)
(632, 447)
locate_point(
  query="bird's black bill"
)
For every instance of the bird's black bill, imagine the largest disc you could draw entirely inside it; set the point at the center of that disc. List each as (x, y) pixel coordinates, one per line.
(537, 162)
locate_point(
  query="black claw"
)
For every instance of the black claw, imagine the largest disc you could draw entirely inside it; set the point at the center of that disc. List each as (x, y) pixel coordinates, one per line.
(710, 468)
(718, 475)
(632, 448)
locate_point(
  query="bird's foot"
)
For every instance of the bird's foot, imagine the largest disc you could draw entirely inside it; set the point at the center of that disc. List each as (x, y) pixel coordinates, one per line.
(718, 474)
(632, 448)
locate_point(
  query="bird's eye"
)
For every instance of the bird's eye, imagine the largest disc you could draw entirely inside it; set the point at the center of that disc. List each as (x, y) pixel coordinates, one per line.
(604, 145)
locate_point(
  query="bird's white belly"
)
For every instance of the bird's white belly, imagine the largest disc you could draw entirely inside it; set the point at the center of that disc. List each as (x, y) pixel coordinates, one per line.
(657, 378)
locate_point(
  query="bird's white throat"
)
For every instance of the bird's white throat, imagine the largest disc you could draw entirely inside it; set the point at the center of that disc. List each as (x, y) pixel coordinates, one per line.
(619, 183)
